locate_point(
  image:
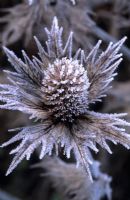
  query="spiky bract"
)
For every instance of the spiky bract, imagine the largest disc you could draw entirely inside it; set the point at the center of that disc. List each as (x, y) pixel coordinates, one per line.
(58, 89)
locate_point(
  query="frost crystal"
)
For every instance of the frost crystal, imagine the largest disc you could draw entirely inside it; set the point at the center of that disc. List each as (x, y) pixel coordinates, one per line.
(30, 2)
(57, 90)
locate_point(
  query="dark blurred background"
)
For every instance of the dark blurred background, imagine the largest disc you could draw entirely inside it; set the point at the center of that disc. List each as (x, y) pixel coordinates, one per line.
(90, 20)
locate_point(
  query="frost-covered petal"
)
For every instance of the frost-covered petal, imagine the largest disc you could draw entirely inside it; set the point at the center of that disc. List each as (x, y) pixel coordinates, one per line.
(105, 127)
(101, 68)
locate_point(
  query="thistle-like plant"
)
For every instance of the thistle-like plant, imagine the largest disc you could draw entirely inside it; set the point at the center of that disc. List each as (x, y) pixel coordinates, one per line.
(22, 21)
(57, 90)
(28, 18)
(71, 183)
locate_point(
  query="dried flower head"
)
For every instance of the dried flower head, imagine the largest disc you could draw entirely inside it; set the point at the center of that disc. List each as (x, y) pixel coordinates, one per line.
(72, 184)
(23, 21)
(58, 89)
(28, 18)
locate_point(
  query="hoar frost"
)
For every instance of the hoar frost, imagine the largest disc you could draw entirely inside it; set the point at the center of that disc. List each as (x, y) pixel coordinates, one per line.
(57, 90)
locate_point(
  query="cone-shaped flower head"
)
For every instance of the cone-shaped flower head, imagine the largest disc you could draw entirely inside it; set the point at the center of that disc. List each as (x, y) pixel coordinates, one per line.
(65, 89)
(57, 89)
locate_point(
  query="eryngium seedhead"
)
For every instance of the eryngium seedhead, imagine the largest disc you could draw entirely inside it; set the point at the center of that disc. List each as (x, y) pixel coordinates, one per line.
(22, 21)
(65, 89)
(57, 89)
(72, 184)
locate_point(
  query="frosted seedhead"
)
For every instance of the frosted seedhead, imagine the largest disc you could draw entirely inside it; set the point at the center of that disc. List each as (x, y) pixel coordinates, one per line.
(57, 89)
(65, 89)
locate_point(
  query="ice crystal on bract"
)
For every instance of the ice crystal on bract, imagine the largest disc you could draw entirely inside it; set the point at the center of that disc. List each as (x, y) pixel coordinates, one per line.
(57, 90)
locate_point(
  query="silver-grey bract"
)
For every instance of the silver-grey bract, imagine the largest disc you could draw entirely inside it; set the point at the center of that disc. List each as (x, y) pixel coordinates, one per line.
(57, 89)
